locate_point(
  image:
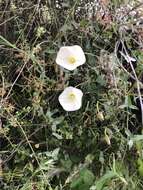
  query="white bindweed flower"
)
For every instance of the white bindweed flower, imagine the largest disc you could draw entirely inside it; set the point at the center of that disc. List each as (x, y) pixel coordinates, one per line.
(70, 57)
(71, 99)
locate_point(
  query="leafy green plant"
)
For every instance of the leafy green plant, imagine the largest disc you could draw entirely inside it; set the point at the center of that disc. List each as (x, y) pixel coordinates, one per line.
(96, 147)
(83, 181)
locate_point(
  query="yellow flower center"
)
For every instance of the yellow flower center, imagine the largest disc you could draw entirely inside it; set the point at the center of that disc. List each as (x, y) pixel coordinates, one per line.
(71, 96)
(71, 59)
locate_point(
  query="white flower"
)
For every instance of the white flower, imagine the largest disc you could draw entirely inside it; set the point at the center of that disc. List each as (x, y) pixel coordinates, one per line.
(70, 57)
(71, 99)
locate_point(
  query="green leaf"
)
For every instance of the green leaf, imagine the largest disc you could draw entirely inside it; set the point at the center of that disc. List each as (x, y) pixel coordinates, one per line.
(76, 183)
(104, 179)
(88, 176)
(83, 181)
(140, 166)
(7, 43)
(128, 104)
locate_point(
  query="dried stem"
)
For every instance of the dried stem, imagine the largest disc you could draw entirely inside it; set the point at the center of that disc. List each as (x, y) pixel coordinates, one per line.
(137, 80)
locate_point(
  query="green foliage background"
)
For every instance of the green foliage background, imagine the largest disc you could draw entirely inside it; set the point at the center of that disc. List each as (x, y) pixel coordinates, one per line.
(42, 146)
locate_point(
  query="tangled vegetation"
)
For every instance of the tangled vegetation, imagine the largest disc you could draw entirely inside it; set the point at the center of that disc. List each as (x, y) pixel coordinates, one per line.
(98, 147)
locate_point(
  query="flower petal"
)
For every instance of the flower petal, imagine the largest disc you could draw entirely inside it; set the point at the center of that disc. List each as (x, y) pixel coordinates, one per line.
(66, 52)
(78, 52)
(71, 105)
